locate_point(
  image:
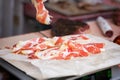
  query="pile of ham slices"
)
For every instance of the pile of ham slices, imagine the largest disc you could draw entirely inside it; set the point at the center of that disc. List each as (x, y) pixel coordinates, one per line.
(58, 48)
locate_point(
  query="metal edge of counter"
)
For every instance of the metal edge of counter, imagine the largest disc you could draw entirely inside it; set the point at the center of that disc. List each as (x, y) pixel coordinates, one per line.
(15, 71)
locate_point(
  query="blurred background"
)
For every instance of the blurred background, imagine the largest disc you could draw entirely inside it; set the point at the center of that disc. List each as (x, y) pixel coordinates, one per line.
(18, 16)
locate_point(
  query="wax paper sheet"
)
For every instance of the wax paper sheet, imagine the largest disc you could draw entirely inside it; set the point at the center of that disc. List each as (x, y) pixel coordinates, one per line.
(78, 66)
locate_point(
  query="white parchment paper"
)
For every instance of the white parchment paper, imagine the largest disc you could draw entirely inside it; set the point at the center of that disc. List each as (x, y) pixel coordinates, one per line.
(77, 66)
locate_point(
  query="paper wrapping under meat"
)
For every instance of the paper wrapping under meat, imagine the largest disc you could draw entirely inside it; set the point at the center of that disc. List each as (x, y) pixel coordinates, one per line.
(78, 66)
(22, 63)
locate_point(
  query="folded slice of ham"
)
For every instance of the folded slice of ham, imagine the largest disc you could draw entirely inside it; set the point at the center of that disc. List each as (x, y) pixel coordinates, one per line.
(42, 14)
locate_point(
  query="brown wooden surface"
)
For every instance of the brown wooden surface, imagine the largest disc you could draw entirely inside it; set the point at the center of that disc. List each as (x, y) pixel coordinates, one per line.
(94, 29)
